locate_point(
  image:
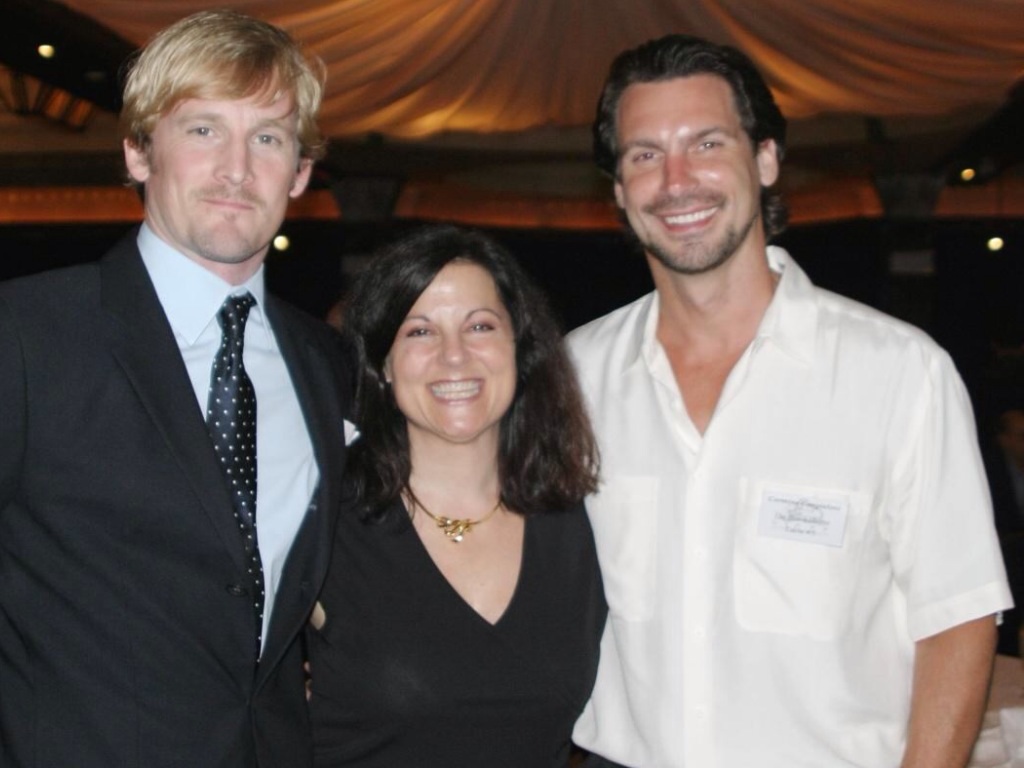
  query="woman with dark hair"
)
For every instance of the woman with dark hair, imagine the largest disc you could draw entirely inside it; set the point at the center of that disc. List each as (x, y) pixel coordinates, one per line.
(460, 620)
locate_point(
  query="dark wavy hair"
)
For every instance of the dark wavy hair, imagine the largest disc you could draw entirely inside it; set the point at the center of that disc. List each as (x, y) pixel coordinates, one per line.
(675, 56)
(547, 458)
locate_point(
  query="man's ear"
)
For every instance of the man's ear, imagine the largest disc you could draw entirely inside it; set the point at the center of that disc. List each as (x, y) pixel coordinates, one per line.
(302, 175)
(768, 162)
(136, 160)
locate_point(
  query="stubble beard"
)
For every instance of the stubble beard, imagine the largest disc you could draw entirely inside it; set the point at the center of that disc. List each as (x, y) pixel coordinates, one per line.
(698, 257)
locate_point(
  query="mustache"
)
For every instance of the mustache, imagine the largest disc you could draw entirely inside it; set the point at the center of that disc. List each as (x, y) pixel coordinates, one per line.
(664, 203)
(229, 195)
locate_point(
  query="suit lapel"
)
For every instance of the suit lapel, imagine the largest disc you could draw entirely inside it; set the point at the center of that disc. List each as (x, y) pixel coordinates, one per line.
(320, 396)
(143, 343)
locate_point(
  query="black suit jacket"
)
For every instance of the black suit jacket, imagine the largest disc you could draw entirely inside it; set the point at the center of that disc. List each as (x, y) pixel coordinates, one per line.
(126, 629)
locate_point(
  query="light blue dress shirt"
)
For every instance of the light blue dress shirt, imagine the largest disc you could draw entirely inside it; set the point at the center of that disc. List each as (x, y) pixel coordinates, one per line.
(286, 469)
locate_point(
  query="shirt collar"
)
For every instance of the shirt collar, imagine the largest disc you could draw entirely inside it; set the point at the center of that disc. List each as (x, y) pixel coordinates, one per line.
(648, 348)
(190, 295)
(790, 322)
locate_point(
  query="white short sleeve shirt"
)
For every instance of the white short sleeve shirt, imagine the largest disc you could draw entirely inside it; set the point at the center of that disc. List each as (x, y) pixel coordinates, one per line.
(767, 580)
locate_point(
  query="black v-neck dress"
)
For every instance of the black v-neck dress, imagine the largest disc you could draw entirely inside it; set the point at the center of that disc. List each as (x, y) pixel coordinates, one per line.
(405, 674)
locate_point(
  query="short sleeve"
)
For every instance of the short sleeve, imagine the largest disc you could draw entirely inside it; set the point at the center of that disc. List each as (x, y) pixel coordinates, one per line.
(945, 551)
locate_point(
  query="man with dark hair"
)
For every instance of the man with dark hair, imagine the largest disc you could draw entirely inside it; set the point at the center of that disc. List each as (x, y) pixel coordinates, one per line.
(794, 529)
(173, 438)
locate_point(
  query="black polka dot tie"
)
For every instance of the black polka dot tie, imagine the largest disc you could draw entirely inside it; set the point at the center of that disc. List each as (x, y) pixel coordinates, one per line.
(231, 421)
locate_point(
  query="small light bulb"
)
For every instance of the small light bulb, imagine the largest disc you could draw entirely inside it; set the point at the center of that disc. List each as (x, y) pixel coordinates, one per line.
(281, 242)
(46, 51)
(995, 243)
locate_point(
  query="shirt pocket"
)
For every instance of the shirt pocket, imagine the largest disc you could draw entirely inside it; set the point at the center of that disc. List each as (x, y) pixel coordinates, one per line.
(792, 587)
(624, 517)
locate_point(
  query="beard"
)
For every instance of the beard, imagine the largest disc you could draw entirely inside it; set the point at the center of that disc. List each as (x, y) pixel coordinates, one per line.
(690, 258)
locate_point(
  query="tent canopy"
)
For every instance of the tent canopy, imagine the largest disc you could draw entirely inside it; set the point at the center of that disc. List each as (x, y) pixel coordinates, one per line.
(499, 94)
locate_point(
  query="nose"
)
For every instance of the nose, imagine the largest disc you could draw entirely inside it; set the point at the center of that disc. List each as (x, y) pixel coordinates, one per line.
(678, 172)
(235, 162)
(454, 349)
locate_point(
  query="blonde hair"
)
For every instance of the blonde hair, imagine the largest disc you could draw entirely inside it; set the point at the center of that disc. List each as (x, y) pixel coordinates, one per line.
(221, 55)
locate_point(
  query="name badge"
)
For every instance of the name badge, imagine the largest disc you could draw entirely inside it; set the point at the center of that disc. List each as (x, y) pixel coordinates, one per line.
(814, 519)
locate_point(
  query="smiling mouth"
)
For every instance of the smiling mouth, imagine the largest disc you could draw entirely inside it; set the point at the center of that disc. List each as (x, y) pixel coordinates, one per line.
(456, 390)
(684, 219)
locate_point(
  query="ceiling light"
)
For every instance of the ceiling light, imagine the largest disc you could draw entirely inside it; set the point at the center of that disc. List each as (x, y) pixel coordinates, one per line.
(46, 51)
(967, 174)
(281, 242)
(995, 243)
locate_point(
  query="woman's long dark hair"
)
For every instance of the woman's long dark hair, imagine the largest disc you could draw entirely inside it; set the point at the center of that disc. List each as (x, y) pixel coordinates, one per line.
(547, 456)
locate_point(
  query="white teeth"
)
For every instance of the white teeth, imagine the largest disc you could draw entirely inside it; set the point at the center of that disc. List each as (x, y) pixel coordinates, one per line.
(690, 218)
(455, 390)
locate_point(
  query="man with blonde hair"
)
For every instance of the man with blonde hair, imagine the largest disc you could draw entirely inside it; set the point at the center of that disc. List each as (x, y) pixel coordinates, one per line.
(172, 438)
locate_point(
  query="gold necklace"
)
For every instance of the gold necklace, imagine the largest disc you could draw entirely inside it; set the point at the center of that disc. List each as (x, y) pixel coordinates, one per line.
(453, 528)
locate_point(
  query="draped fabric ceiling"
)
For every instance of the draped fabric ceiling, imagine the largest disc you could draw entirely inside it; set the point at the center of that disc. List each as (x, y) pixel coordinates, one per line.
(413, 68)
(501, 70)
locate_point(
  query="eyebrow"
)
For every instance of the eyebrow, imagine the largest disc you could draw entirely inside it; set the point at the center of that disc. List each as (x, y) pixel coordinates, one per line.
(209, 116)
(639, 143)
(469, 314)
(645, 143)
(495, 313)
(714, 129)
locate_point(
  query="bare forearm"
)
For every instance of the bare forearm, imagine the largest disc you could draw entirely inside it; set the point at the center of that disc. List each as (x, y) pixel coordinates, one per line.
(951, 678)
